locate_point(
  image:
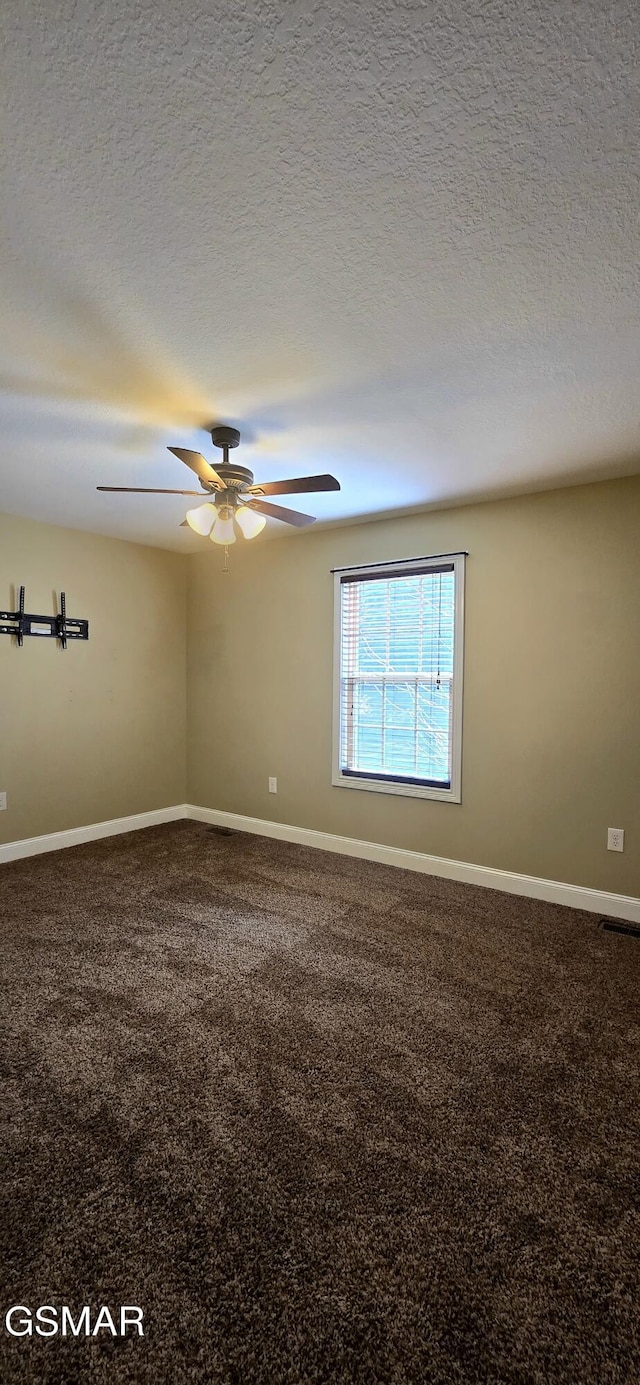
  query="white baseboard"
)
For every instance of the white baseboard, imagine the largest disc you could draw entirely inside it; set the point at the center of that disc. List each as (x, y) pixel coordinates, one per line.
(75, 836)
(554, 891)
(531, 886)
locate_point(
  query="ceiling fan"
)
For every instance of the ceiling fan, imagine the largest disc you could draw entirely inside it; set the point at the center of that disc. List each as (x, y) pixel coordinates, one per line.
(234, 494)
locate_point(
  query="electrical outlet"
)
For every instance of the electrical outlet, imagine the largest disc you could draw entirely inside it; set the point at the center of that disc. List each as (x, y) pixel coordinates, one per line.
(615, 839)
(273, 784)
(3, 802)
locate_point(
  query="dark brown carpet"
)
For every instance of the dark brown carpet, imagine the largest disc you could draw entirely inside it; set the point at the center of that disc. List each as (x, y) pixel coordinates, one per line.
(322, 1120)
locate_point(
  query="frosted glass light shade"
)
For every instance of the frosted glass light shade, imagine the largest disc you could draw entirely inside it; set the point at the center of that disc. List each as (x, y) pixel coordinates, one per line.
(223, 531)
(250, 522)
(202, 519)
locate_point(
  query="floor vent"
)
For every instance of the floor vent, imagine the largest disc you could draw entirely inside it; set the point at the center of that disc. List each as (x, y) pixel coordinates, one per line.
(222, 831)
(612, 926)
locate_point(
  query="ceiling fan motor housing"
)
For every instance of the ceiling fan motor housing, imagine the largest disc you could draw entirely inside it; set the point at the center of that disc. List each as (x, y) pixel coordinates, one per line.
(236, 477)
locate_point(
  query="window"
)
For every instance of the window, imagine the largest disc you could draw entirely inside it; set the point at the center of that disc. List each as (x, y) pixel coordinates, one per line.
(398, 677)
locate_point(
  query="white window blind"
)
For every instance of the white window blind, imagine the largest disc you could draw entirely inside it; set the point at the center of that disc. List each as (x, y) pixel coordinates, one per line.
(398, 688)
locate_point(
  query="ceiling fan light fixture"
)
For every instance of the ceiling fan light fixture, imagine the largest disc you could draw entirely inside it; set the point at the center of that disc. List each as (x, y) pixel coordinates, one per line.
(249, 522)
(202, 519)
(223, 531)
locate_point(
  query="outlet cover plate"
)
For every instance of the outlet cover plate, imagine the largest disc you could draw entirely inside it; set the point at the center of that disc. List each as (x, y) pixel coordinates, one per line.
(615, 839)
(273, 784)
(3, 802)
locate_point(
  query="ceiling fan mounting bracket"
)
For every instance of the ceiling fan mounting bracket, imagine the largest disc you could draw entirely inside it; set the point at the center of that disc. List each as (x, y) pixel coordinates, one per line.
(223, 436)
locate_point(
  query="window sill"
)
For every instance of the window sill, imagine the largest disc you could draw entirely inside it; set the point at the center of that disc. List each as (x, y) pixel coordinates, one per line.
(451, 795)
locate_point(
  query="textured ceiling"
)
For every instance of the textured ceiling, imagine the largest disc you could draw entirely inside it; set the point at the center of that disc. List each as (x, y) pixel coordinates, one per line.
(396, 241)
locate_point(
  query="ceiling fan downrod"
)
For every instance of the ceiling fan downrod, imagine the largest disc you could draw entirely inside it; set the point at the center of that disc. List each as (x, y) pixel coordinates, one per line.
(227, 438)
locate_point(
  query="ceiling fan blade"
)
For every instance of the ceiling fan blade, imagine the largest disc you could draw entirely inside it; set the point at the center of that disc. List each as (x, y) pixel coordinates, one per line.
(198, 464)
(296, 486)
(279, 512)
(147, 490)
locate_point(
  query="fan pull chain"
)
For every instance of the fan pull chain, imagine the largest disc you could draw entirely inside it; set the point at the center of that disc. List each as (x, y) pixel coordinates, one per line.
(226, 559)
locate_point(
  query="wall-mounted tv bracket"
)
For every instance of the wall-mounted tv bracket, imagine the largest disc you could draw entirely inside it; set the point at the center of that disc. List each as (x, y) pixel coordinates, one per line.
(61, 627)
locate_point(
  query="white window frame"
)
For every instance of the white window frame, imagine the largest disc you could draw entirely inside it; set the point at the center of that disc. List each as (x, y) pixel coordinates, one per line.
(453, 794)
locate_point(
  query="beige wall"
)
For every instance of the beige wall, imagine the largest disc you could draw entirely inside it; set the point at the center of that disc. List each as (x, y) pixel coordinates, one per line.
(98, 731)
(551, 753)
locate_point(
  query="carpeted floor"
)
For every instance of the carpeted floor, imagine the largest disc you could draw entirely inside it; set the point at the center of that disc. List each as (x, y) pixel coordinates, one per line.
(322, 1120)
